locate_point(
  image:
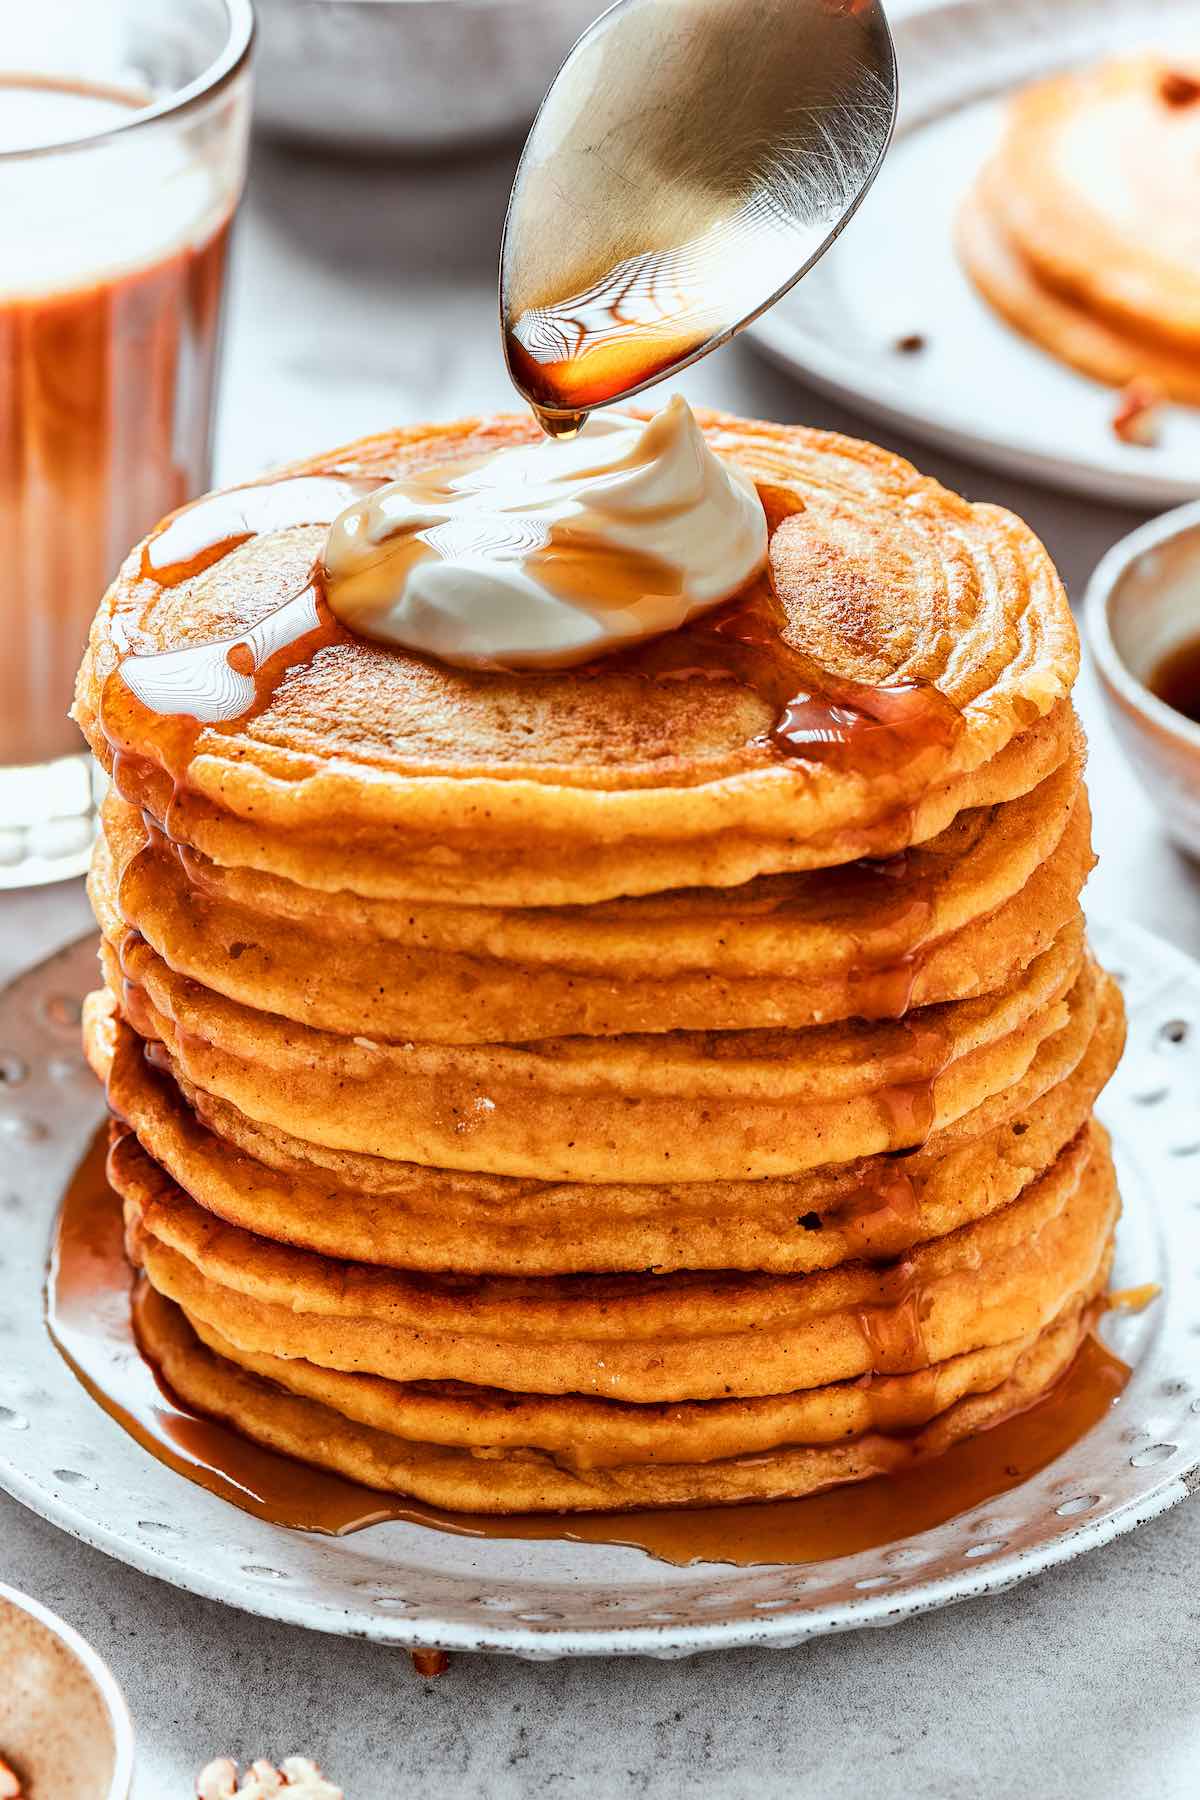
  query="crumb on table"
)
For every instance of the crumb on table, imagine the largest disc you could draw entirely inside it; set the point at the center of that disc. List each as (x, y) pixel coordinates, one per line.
(430, 1663)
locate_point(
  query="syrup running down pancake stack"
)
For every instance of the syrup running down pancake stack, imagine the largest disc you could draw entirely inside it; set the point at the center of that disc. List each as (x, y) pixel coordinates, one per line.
(1081, 230)
(662, 1082)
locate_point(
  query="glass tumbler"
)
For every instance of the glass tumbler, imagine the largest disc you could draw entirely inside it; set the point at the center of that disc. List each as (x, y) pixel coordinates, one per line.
(123, 130)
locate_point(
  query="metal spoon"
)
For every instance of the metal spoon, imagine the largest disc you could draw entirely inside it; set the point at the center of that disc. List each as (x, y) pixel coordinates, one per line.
(692, 159)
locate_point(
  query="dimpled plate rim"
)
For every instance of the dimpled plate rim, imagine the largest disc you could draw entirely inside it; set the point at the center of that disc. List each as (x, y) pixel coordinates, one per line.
(401, 1584)
(978, 389)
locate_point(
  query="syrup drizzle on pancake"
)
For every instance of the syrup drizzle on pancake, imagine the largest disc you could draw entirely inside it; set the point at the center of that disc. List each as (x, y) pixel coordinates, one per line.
(819, 718)
(199, 535)
(134, 1002)
(894, 1329)
(909, 919)
(165, 700)
(92, 1322)
(909, 1108)
(882, 1206)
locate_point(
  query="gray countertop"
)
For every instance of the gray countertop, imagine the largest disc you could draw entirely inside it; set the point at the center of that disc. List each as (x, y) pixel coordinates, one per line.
(363, 297)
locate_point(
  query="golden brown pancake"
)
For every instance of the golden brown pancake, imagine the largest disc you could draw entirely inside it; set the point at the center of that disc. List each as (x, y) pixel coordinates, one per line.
(377, 771)
(442, 865)
(954, 918)
(689, 1106)
(1082, 229)
(312, 1418)
(638, 1338)
(583, 1431)
(442, 1219)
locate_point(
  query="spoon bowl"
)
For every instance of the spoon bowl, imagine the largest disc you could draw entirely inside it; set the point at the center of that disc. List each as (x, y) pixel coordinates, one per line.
(691, 160)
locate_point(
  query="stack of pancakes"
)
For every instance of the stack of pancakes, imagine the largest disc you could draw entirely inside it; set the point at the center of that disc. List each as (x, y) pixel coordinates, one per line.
(558, 1091)
(1082, 230)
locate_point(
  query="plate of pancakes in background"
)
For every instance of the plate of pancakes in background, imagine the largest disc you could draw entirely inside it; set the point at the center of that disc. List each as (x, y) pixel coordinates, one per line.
(1022, 284)
(629, 1144)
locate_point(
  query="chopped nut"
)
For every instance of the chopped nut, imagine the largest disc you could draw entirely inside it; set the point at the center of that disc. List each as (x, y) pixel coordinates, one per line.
(1179, 89)
(262, 1780)
(217, 1780)
(430, 1663)
(1138, 418)
(10, 1784)
(304, 1778)
(296, 1779)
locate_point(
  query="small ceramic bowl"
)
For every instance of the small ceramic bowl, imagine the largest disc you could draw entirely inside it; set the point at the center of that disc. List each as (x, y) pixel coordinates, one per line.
(412, 76)
(1143, 602)
(64, 1727)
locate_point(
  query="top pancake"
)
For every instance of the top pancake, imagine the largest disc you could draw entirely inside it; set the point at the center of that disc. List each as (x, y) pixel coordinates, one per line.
(378, 771)
(1083, 228)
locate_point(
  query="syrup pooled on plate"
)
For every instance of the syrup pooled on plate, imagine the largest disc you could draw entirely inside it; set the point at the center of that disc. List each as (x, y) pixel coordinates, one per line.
(92, 1298)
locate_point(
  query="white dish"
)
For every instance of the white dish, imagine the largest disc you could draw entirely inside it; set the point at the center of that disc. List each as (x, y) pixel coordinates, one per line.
(413, 77)
(407, 1585)
(976, 388)
(1140, 607)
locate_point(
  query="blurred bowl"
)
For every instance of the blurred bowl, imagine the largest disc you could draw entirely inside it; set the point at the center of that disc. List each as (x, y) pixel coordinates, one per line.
(64, 1727)
(409, 75)
(1143, 602)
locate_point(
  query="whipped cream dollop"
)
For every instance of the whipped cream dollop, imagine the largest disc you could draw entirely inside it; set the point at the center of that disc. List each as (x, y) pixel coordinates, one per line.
(541, 555)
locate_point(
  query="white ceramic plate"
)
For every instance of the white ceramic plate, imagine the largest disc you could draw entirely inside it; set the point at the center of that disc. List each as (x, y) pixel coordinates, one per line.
(407, 1585)
(977, 388)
